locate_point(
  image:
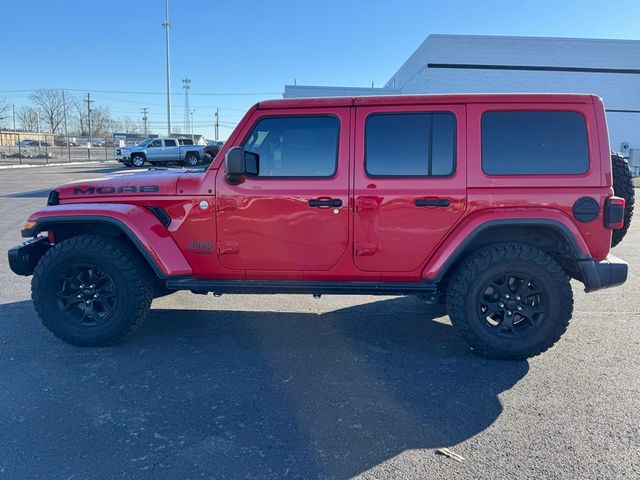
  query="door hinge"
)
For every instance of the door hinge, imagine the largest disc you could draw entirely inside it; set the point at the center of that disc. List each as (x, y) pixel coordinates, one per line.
(228, 248)
(363, 249)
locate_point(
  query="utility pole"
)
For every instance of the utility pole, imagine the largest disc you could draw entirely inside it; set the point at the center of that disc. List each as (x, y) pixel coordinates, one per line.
(89, 101)
(191, 113)
(186, 85)
(166, 24)
(13, 109)
(144, 120)
(217, 124)
(66, 133)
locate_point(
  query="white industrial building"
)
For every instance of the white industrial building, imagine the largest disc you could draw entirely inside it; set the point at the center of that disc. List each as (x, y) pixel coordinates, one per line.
(490, 64)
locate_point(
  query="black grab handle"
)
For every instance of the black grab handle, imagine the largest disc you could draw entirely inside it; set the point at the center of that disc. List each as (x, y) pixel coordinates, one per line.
(329, 202)
(433, 202)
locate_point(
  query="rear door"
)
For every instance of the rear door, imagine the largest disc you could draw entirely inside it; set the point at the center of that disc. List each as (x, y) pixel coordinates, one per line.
(294, 216)
(410, 183)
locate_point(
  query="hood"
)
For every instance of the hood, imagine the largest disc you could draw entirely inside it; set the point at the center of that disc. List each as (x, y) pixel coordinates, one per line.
(143, 183)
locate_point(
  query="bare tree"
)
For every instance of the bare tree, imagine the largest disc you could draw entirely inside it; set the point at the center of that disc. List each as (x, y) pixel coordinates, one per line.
(27, 118)
(4, 106)
(101, 123)
(130, 125)
(50, 105)
(4, 110)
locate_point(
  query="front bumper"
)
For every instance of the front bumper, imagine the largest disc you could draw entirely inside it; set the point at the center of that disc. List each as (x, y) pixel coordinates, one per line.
(607, 273)
(24, 258)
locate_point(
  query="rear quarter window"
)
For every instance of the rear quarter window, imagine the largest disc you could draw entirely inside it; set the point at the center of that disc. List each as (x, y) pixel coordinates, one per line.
(534, 143)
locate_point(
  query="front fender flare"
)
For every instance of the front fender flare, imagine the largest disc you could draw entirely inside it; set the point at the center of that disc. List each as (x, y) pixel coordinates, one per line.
(144, 230)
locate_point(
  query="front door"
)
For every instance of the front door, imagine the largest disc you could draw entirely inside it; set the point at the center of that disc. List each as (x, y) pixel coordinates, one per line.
(410, 183)
(170, 151)
(294, 215)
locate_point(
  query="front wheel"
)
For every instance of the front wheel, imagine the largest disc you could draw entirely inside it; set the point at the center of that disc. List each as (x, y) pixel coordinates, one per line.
(137, 161)
(91, 290)
(510, 301)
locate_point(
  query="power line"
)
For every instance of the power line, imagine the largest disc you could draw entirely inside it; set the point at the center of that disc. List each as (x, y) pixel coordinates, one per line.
(132, 92)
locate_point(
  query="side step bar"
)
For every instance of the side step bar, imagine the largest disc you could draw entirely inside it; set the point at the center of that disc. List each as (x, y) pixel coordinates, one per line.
(314, 288)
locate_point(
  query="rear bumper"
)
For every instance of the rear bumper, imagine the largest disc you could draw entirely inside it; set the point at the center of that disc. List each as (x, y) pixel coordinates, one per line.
(597, 275)
(24, 258)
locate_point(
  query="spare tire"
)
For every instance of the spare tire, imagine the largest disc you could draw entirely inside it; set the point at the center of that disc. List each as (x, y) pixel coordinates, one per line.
(622, 187)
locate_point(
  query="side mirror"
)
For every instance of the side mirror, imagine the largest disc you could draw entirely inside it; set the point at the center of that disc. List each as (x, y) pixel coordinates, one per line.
(239, 163)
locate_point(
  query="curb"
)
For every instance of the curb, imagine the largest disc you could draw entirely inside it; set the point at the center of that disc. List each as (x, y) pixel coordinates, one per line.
(7, 167)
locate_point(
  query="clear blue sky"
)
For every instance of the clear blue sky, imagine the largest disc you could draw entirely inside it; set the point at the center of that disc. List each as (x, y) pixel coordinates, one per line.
(247, 50)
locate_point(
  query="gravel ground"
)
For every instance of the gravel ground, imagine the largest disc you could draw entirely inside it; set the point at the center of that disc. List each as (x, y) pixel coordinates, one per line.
(292, 387)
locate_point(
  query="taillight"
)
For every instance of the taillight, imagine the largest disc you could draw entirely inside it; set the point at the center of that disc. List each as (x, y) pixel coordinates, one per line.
(614, 213)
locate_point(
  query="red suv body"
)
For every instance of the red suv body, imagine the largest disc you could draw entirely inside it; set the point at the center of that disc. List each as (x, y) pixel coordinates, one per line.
(372, 195)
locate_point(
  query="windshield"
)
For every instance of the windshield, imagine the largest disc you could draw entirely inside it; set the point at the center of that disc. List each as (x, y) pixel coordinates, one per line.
(144, 142)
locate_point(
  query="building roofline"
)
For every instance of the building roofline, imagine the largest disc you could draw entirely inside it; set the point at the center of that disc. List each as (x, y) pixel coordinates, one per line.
(532, 37)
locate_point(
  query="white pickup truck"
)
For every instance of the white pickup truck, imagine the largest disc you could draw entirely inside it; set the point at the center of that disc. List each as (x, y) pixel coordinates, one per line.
(162, 150)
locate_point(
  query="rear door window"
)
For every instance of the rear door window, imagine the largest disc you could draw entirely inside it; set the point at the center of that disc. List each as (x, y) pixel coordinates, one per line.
(410, 144)
(170, 143)
(534, 143)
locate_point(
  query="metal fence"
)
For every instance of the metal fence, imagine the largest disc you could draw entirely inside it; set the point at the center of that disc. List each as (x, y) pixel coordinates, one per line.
(29, 148)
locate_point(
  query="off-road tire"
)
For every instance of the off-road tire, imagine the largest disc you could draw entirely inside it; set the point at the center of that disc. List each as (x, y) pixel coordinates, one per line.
(191, 160)
(466, 289)
(622, 187)
(130, 277)
(137, 160)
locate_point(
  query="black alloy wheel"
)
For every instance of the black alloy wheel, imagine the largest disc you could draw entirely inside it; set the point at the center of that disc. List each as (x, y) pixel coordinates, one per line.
(511, 305)
(87, 295)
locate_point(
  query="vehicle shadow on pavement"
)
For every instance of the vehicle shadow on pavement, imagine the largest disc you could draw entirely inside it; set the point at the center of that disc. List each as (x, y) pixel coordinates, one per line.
(249, 394)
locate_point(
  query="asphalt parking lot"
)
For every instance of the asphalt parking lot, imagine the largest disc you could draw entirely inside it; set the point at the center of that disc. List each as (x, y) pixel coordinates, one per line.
(293, 387)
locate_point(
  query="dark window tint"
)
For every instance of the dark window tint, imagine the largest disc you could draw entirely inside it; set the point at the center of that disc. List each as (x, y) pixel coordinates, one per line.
(295, 146)
(410, 144)
(155, 143)
(170, 143)
(529, 143)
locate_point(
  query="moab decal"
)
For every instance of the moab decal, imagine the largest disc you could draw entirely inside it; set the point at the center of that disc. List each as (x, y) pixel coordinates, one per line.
(121, 189)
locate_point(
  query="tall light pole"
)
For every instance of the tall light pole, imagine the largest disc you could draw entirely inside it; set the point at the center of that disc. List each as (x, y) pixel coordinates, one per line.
(166, 24)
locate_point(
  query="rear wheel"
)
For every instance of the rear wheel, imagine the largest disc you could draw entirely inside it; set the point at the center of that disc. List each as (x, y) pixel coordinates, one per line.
(91, 290)
(192, 159)
(510, 301)
(622, 187)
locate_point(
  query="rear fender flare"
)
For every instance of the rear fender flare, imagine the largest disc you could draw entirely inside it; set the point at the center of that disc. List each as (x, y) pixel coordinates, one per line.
(453, 248)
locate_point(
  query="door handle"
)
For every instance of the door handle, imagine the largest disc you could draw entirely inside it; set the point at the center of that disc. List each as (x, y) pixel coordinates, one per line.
(433, 202)
(325, 202)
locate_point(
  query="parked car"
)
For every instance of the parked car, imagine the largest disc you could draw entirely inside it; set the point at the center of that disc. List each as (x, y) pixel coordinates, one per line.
(24, 143)
(158, 151)
(212, 148)
(488, 204)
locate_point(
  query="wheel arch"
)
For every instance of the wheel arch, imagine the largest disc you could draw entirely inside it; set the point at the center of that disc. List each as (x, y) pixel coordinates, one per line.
(165, 259)
(551, 236)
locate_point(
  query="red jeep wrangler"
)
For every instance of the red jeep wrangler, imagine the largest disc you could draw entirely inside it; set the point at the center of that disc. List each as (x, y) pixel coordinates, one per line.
(490, 203)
